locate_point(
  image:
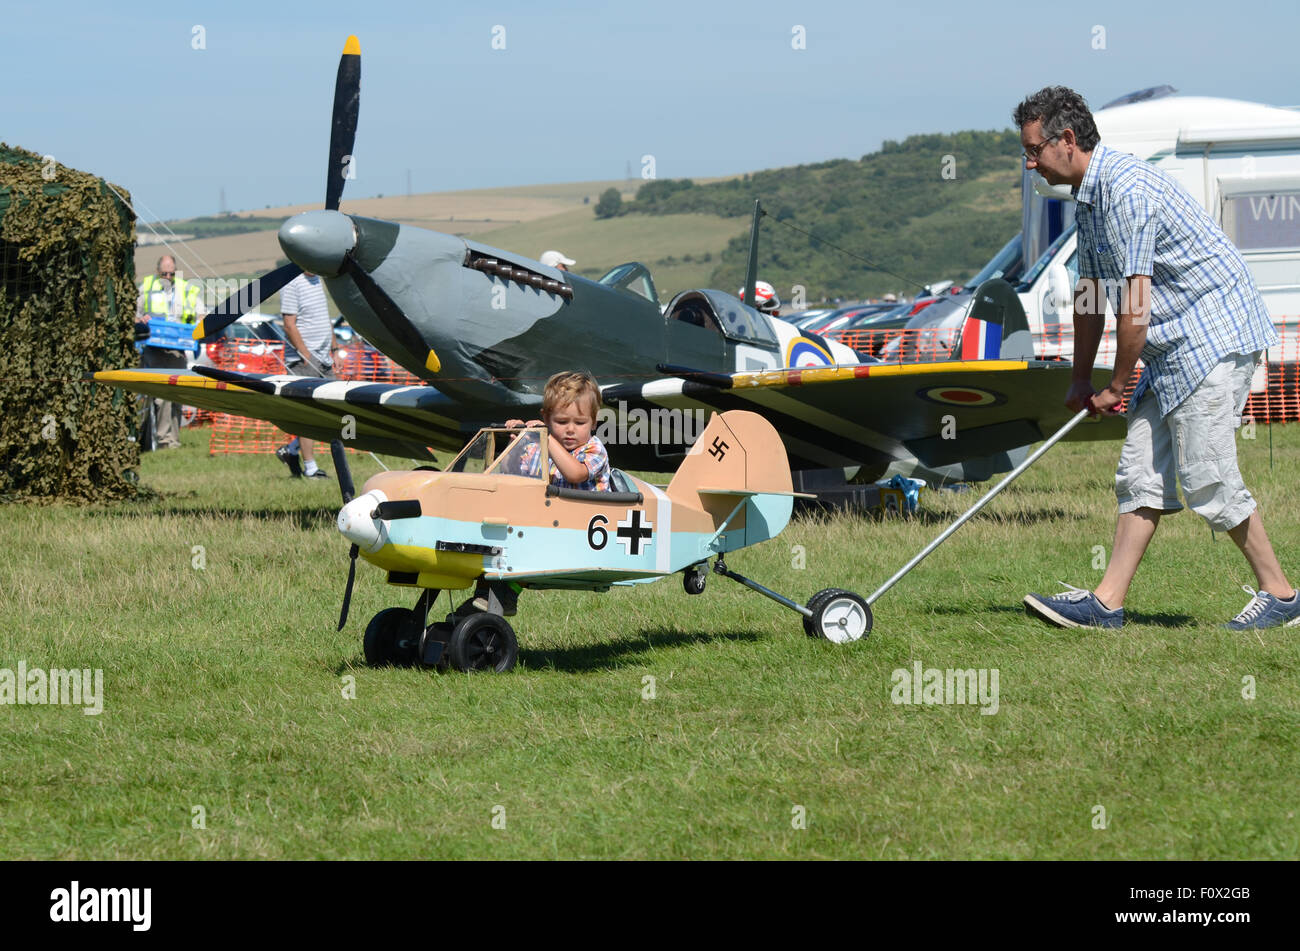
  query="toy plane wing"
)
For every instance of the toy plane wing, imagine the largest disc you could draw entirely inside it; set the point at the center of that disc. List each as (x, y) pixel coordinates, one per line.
(873, 415)
(390, 418)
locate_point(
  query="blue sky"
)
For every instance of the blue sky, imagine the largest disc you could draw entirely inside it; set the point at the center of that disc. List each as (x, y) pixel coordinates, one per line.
(580, 89)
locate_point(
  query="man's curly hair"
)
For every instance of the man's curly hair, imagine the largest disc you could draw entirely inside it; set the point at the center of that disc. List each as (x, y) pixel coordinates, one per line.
(1059, 108)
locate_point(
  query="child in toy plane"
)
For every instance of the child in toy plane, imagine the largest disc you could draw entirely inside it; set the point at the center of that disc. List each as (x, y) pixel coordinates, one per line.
(578, 459)
(570, 404)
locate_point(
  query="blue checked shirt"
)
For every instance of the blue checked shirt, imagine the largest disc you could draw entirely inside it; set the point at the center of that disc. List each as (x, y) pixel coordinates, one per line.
(1135, 220)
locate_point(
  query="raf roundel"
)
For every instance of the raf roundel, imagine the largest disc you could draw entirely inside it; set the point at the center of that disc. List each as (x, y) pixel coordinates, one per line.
(961, 396)
(806, 353)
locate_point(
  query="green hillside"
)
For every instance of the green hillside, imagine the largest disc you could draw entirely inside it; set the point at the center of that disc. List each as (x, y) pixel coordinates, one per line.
(929, 208)
(681, 250)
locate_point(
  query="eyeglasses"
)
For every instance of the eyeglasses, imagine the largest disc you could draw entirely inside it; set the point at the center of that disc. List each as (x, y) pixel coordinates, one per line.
(167, 273)
(1033, 151)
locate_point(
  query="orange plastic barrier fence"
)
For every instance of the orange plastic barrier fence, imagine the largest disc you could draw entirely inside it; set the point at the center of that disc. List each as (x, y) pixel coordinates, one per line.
(239, 434)
(1278, 403)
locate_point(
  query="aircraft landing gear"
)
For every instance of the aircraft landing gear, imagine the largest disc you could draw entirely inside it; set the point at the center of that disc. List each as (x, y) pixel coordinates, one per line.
(483, 641)
(839, 616)
(393, 638)
(695, 577)
(468, 640)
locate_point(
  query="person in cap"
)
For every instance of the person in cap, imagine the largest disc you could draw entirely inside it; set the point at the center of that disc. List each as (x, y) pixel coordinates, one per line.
(556, 260)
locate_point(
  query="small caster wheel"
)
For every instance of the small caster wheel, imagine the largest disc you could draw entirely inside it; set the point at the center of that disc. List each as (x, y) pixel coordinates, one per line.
(839, 616)
(392, 637)
(483, 641)
(694, 578)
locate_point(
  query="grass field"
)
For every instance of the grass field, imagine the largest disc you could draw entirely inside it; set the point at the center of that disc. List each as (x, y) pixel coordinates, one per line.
(226, 733)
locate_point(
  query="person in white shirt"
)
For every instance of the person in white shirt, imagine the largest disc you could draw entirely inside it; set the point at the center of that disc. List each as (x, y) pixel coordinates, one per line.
(310, 331)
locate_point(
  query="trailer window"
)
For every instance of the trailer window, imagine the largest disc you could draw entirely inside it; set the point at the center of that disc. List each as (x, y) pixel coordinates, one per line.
(1263, 222)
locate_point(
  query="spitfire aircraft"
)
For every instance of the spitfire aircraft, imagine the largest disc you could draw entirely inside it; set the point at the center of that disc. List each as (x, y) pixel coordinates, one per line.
(484, 328)
(485, 522)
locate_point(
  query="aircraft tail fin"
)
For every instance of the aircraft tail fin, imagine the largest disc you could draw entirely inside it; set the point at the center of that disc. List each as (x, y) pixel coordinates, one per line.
(739, 451)
(738, 472)
(996, 327)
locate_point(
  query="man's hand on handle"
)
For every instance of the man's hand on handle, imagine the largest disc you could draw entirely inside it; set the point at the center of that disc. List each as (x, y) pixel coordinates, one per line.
(1081, 395)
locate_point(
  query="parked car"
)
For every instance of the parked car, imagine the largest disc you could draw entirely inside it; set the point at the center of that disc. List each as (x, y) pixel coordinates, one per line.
(932, 330)
(803, 318)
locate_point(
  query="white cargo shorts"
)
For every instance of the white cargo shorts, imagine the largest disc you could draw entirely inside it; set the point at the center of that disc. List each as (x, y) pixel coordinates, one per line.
(1196, 443)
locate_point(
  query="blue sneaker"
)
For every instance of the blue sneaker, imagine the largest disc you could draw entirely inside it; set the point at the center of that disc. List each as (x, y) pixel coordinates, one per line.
(1077, 607)
(1264, 610)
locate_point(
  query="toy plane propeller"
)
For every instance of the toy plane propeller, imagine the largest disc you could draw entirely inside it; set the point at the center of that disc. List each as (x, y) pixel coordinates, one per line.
(484, 328)
(482, 523)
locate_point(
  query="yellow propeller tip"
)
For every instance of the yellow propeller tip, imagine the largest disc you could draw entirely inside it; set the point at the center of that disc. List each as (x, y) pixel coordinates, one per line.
(432, 363)
(352, 47)
(198, 331)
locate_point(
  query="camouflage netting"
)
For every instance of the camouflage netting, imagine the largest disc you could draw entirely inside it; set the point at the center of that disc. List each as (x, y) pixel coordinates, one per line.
(67, 307)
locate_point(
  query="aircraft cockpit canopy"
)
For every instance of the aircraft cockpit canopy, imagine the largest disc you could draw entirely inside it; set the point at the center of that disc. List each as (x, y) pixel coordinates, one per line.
(719, 311)
(504, 452)
(632, 278)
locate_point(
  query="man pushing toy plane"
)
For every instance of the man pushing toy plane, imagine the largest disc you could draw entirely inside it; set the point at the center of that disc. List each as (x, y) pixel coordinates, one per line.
(1187, 305)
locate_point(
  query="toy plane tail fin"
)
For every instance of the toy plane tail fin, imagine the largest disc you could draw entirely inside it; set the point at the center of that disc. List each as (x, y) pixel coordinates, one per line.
(738, 472)
(738, 450)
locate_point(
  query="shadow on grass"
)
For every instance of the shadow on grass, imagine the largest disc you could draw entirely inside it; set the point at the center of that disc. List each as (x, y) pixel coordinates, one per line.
(1161, 620)
(1153, 620)
(613, 654)
(314, 516)
(594, 657)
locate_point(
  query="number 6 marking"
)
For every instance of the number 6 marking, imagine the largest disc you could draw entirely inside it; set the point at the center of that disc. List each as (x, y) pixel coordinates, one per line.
(596, 528)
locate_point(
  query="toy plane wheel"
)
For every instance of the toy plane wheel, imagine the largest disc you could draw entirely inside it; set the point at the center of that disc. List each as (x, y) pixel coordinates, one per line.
(839, 616)
(694, 579)
(392, 637)
(483, 641)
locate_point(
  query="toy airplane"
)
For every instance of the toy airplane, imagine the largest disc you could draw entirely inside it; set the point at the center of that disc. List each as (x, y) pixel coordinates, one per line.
(480, 523)
(485, 328)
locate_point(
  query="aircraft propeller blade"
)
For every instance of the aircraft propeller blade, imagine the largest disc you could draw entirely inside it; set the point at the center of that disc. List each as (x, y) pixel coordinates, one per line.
(347, 592)
(340, 456)
(243, 300)
(343, 131)
(389, 314)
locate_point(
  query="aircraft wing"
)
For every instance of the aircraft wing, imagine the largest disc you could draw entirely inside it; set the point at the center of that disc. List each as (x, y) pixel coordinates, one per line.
(873, 415)
(391, 418)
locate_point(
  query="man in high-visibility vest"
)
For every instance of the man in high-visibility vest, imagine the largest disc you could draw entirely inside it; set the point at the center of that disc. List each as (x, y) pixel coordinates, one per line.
(167, 297)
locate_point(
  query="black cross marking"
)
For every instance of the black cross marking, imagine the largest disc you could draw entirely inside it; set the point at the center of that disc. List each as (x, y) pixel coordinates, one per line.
(631, 535)
(719, 448)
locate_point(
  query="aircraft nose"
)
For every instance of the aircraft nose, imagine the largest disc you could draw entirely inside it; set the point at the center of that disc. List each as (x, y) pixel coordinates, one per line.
(359, 526)
(316, 241)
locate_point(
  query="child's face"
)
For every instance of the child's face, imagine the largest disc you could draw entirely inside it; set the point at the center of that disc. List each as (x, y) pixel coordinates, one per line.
(571, 425)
